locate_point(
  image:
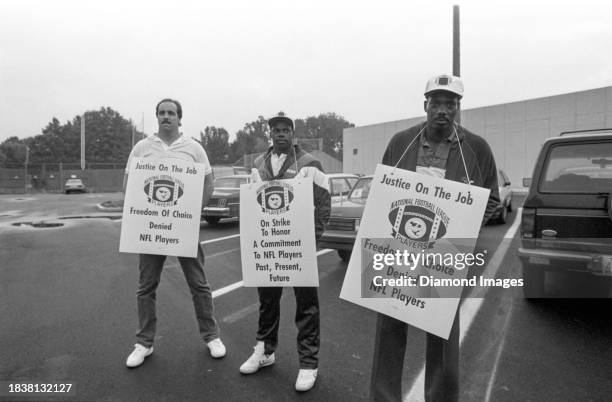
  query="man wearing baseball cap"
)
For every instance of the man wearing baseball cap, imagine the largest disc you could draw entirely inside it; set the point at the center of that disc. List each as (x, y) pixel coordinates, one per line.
(438, 147)
(284, 160)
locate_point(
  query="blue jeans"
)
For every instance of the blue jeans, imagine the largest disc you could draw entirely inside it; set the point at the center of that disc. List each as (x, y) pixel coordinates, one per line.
(150, 267)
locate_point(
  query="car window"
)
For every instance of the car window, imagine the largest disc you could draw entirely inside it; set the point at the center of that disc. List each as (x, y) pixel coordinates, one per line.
(361, 189)
(230, 182)
(352, 181)
(578, 168)
(74, 181)
(339, 186)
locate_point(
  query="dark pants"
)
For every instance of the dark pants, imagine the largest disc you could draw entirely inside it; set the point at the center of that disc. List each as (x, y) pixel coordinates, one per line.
(441, 363)
(306, 320)
(151, 266)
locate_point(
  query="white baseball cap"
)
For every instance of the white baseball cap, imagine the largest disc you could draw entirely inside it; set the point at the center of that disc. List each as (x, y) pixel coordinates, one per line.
(448, 83)
(281, 117)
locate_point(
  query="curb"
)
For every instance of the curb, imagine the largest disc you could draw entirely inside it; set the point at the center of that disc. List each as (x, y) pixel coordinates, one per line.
(101, 207)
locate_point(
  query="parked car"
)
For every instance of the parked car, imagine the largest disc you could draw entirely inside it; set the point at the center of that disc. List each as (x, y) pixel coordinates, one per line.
(341, 230)
(340, 184)
(239, 170)
(74, 185)
(566, 225)
(225, 199)
(505, 196)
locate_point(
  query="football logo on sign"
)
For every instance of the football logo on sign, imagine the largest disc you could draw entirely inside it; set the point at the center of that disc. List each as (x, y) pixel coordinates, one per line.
(417, 220)
(163, 191)
(275, 197)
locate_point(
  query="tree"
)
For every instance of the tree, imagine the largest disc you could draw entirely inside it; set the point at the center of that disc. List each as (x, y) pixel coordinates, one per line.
(215, 141)
(328, 126)
(253, 138)
(53, 145)
(108, 135)
(108, 138)
(14, 151)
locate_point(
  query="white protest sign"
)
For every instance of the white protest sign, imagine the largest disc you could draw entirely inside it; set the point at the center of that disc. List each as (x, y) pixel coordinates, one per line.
(424, 227)
(277, 237)
(162, 207)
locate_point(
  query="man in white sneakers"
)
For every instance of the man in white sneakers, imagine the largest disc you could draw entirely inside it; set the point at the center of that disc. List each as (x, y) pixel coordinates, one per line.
(285, 161)
(169, 142)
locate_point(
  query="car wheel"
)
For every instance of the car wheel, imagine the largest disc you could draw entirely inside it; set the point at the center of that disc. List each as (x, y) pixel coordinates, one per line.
(533, 283)
(344, 254)
(213, 220)
(503, 215)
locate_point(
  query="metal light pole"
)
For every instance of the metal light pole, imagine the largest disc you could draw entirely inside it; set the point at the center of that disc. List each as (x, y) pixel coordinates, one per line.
(132, 124)
(27, 160)
(456, 52)
(456, 43)
(83, 142)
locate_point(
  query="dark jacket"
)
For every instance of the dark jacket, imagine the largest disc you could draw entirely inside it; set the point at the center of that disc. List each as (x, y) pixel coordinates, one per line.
(476, 151)
(321, 196)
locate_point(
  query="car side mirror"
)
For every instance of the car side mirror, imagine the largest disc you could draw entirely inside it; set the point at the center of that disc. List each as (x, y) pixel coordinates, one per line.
(507, 183)
(526, 181)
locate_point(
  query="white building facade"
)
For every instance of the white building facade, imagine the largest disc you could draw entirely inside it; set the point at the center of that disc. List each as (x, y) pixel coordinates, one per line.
(515, 131)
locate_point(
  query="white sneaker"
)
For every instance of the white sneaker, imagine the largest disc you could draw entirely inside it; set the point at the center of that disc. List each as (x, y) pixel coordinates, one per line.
(216, 348)
(257, 360)
(137, 357)
(306, 379)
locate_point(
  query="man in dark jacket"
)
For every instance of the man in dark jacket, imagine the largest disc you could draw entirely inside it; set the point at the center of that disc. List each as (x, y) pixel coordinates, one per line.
(442, 148)
(284, 161)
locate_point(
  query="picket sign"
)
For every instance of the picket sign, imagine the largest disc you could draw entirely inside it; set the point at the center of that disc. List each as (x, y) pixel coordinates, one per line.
(423, 215)
(162, 207)
(277, 238)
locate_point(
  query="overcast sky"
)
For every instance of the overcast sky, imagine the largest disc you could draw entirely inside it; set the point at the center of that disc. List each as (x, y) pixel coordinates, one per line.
(231, 61)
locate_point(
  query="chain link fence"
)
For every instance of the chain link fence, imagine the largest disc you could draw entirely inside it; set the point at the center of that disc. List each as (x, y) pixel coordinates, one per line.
(51, 177)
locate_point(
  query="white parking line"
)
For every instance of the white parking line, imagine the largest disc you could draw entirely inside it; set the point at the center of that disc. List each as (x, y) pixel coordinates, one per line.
(500, 349)
(236, 285)
(469, 308)
(222, 253)
(324, 251)
(227, 289)
(219, 239)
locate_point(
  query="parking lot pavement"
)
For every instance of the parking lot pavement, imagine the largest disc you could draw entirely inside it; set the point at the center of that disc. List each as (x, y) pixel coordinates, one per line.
(68, 313)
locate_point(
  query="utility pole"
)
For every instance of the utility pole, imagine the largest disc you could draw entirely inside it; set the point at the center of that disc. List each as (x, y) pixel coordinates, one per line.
(83, 142)
(27, 160)
(456, 51)
(132, 124)
(456, 43)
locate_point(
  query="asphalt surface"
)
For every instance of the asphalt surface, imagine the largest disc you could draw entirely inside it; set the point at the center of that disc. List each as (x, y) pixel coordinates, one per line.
(68, 314)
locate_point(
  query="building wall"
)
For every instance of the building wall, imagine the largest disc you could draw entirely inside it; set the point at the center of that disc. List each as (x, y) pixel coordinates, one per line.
(515, 131)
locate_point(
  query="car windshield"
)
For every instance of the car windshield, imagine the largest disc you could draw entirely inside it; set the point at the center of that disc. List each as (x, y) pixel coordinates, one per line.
(361, 189)
(339, 186)
(579, 168)
(230, 182)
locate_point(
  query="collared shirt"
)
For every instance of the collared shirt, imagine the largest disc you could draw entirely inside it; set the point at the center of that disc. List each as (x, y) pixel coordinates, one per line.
(277, 162)
(431, 160)
(184, 148)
